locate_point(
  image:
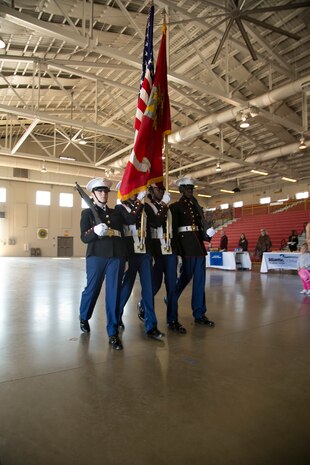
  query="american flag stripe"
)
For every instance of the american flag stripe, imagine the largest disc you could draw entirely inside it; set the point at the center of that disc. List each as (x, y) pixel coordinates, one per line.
(145, 92)
(147, 76)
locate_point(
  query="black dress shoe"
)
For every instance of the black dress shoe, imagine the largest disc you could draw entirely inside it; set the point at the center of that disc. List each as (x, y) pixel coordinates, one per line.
(115, 342)
(140, 312)
(84, 325)
(205, 321)
(154, 333)
(121, 324)
(176, 327)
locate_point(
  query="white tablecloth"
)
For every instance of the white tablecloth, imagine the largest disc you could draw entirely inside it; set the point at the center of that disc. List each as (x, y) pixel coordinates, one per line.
(279, 261)
(232, 261)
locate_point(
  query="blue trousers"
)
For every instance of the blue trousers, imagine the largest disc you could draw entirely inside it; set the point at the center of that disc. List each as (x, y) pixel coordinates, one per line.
(194, 267)
(166, 266)
(98, 269)
(142, 264)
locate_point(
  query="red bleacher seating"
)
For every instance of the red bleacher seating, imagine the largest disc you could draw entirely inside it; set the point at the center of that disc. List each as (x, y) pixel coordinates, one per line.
(278, 226)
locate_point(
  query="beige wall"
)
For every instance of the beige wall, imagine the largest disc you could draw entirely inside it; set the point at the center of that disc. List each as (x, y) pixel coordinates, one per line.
(23, 218)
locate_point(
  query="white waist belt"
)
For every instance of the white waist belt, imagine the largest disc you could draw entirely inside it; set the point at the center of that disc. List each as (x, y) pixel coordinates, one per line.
(113, 232)
(188, 228)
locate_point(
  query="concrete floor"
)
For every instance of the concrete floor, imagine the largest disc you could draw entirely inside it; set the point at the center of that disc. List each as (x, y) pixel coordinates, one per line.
(237, 394)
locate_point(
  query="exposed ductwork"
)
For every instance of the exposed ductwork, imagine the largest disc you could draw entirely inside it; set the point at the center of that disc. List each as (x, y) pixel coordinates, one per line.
(71, 169)
(257, 158)
(215, 120)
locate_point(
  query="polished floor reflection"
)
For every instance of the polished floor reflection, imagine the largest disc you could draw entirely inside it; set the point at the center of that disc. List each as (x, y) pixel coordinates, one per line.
(237, 394)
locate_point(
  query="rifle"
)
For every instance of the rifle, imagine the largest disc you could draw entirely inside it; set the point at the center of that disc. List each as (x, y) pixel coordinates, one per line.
(89, 203)
(142, 232)
(166, 249)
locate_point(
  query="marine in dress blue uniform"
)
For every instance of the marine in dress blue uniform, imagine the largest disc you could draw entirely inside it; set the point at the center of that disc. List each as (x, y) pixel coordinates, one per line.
(161, 244)
(139, 261)
(105, 259)
(189, 233)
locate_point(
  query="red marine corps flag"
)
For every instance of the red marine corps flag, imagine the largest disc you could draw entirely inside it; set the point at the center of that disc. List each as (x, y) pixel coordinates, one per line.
(145, 165)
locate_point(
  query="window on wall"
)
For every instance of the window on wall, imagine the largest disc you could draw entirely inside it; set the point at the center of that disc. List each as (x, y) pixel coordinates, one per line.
(264, 200)
(302, 195)
(43, 198)
(2, 194)
(65, 200)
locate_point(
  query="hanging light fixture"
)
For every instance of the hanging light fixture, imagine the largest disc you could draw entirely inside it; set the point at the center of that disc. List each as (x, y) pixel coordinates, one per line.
(82, 141)
(254, 111)
(218, 167)
(262, 173)
(62, 157)
(218, 164)
(43, 169)
(244, 123)
(302, 144)
(2, 43)
(227, 191)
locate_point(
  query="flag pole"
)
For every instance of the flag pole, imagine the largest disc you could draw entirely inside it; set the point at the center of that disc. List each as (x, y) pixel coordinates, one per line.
(168, 235)
(166, 163)
(141, 231)
(166, 135)
(168, 238)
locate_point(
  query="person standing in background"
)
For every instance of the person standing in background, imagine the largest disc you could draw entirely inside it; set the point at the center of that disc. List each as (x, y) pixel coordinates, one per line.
(263, 244)
(223, 242)
(243, 243)
(293, 241)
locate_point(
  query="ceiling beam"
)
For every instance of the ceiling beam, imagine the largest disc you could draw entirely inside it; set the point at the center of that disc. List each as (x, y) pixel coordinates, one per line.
(63, 34)
(24, 136)
(48, 118)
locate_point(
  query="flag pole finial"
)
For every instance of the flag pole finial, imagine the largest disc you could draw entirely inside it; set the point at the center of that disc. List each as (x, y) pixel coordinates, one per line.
(164, 16)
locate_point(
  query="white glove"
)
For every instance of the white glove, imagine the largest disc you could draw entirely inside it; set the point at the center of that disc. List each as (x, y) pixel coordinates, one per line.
(141, 195)
(166, 198)
(100, 229)
(210, 232)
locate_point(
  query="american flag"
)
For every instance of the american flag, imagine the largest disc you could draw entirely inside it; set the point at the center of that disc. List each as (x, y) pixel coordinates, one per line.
(147, 76)
(145, 164)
